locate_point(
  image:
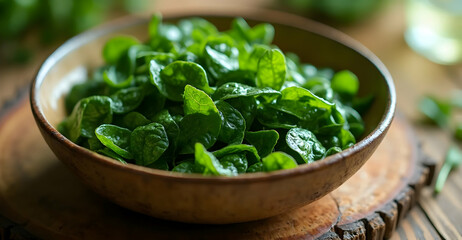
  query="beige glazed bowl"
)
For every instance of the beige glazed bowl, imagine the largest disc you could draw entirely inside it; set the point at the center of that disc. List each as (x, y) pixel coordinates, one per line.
(203, 199)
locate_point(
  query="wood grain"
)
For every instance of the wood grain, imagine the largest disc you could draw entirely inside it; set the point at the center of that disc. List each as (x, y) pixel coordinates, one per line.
(36, 190)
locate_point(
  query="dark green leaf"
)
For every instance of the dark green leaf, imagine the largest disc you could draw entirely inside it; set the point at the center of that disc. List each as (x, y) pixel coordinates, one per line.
(257, 167)
(87, 115)
(250, 151)
(247, 106)
(116, 79)
(238, 160)
(305, 144)
(220, 56)
(175, 76)
(232, 124)
(210, 163)
(148, 143)
(264, 141)
(185, 167)
(234, 90)
(115, 138)
(160, 164)
(109, 153)
(133, 120)
(127, 99)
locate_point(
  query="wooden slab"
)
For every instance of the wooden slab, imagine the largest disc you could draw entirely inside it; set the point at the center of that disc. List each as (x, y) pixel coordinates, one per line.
(44, 198)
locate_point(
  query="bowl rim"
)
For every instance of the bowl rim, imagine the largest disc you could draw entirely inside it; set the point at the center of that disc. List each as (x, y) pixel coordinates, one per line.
(260, 15)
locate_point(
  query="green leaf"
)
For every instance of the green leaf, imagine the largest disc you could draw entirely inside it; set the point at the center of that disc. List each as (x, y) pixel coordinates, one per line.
(232, 124)
(332, 151)
(175, 76)
(458, 132)
(160, 164)
(116, 47)
(235, 90)
(273, 118)
(238, 161)
(115, 138)
(264, 140)
(453, 160)
(116, 79)
(220, 56)
(250, 151)
(257, 167)
(277, 161)
(303, 104)
(345, 83)
(436, 110)
(84, 90)
(271, 70)
(87, 115)
(198, 128)
(127, 99)
(148, 143)
(247, 106)
(210, 163)
(154, 25)
(185, 167)
(133, 120)
(197, 101)
(261, 33)
(109, 153)
(305, 144)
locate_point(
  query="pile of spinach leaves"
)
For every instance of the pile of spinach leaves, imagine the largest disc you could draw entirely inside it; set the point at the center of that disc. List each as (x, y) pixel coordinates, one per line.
(195, 100)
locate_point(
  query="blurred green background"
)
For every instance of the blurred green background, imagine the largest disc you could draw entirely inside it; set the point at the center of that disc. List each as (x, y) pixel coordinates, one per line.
(28, 25)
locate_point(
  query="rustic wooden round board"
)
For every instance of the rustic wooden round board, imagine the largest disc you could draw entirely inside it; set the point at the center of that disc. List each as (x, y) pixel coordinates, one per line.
(46, 199)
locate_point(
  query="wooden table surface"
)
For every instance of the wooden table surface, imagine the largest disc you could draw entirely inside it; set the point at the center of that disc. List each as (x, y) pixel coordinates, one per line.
(413, 75)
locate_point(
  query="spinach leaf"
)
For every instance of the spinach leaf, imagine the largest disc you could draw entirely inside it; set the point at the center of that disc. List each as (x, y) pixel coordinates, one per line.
(210, 164)
(84, 90)
(160, 164)
(256, 167)
(115, 138)
(238, 161)
(247, 106)
(109, 153)
(271, 70)
(232, 124)
(127, 99)
(234, 90)
(172, 130)
(261, 33)
(305, 144)
(116, 47)
(264, 141)
(133, 120)
(273, 118)
(221, 56)
(453, 160)
(148, 143)
(202, 122)
(277, 161)
(185, 167)
(345, 83)
(436, 110)
(175, 76)
(301, 103)
(332, 151)
(250, 151)
(87, 115)
(117, 79)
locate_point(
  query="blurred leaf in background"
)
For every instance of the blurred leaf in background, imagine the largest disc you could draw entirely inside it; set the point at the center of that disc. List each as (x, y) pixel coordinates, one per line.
(335, 11)
(51, 20)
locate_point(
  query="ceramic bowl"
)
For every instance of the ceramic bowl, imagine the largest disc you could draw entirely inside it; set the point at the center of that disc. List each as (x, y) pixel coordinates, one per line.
(195, 198)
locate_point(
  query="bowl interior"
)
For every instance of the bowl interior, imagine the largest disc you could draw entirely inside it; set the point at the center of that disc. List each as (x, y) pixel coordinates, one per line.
(323, 47)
